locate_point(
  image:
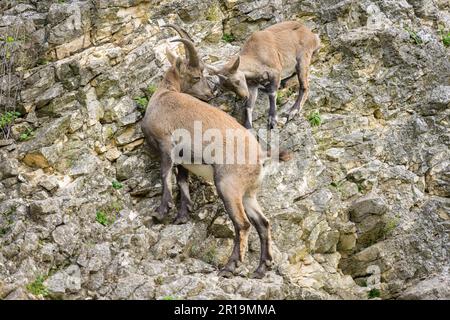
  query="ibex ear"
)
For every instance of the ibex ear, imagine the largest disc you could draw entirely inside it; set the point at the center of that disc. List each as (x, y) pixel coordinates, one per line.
(178, 64)
(171, 56)
(235, 65)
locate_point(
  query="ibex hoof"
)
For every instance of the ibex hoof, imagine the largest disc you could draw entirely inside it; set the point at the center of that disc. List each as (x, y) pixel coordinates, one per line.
(225, 273)
(258, 274)
(273, 123)
(158, 217)
(181, 219)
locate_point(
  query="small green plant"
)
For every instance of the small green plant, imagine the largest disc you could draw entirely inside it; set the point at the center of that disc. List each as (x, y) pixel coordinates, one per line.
(6, 121)
(414, 36)
(27, 135)
(228, 37)
(10, 39)
(315, 119)
(107, 214)
(445, 37)
(142, 103)
(103, 218)
(117, 185)
(151, 89)
(169, 298)
(374, 293)
(37, 287)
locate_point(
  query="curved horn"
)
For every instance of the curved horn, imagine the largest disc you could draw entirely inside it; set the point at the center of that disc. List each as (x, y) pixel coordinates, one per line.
(180, 31)
(194, 61)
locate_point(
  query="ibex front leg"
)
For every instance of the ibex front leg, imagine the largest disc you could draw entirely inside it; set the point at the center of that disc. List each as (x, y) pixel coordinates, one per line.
(253, 95)
(272, 92)
(302, 69)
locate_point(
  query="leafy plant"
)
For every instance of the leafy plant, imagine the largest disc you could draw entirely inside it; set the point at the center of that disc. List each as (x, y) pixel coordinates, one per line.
(228, 37)
(107, 214)
(9, 39)
(27, 135)
(151, 89)
(117, 185)
(315, 119)
(37, 287)
(414, 36)
(169, 298)
(103, 219)
(6, 122)
(445, 37)
(374, 293)
(142, 103)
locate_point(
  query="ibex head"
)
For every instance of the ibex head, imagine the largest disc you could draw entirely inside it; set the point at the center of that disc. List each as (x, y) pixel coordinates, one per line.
(231, 79)
(192, 80)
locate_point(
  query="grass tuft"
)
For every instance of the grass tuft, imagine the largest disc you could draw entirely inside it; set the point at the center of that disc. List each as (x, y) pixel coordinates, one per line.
(228, 37)
(315, 119)
(37, 287)
(374, 293)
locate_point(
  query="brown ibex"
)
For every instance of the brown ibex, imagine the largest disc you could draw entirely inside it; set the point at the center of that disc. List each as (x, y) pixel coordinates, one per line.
(169, 110)
(267, 57)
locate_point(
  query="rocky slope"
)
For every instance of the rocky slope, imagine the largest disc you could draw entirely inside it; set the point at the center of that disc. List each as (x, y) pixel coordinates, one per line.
(361, 211)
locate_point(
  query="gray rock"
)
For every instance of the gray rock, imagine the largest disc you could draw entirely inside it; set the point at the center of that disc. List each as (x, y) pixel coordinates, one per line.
(435, 288)
(370, 204)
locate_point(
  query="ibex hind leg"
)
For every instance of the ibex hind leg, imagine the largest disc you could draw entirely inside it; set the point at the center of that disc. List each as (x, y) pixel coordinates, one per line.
(302, 69)
(232, 199)
(185, 198)
(262, 225)
(166, 177)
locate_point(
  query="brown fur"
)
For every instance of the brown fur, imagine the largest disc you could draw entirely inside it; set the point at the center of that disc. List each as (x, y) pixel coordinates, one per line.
(237, 184)
(266, 58)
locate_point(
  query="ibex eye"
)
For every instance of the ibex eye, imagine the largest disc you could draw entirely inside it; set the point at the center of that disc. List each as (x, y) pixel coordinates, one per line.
(196, 78)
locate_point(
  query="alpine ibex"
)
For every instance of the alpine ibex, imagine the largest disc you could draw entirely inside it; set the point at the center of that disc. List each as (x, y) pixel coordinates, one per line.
(267, 57)
(170, 110)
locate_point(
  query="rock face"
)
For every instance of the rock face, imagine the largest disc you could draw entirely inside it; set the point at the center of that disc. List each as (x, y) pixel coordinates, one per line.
(364, 204)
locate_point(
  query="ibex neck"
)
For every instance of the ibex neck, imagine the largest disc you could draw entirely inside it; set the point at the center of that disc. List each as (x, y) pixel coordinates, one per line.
(171, 81)
(249, 66)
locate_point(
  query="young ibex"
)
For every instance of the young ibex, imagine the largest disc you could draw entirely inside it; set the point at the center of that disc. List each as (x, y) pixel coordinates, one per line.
(267, 57)
(170, 110)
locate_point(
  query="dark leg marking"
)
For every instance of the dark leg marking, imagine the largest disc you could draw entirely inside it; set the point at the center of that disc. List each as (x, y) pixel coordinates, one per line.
(185, 198)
